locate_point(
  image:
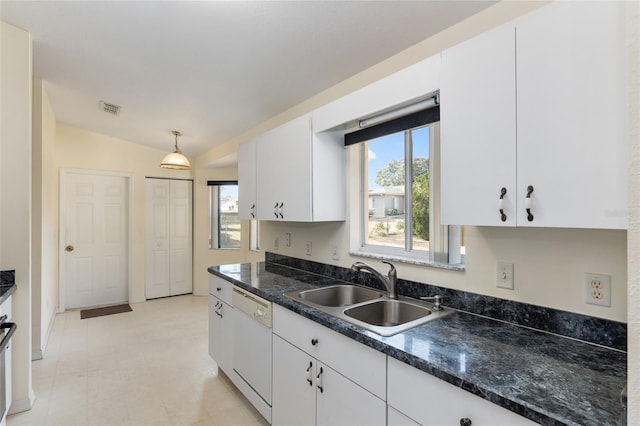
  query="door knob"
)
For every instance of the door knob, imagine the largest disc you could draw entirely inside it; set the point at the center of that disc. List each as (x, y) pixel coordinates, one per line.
(69, 248)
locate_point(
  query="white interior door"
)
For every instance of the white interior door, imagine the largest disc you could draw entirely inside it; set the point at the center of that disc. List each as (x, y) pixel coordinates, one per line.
(168, 238)
(95, 235)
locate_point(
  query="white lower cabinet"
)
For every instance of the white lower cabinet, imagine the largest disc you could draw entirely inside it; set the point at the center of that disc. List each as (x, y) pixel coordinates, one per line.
(221, 324)
(428, 400)
(323, 378)
(396, 418)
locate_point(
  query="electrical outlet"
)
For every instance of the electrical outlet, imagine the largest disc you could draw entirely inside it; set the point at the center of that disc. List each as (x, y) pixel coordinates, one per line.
(309, 251)
(276, 243)
(334, 252)
(287, 239)
(597, 289)
(504, 277)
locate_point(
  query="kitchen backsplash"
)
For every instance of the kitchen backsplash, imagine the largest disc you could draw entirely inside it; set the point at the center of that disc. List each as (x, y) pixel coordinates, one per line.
(600, 331)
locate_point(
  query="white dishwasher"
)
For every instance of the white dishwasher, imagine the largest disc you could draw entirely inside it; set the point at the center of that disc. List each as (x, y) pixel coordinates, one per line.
(252, 349)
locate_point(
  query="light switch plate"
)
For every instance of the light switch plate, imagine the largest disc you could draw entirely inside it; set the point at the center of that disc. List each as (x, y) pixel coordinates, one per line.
(504, 278)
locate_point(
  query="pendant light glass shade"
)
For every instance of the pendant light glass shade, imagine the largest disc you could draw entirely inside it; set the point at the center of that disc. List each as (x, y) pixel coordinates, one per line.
(176, 160)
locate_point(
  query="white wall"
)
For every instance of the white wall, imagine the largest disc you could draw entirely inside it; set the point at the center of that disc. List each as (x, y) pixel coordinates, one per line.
(44, 229)
(15, 200)
(77, 148)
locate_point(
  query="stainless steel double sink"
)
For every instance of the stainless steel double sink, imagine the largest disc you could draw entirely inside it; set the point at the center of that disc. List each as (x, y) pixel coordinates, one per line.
(368, 308)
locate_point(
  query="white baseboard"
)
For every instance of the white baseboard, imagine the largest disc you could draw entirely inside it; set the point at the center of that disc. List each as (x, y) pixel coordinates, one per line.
(38, 353)
(18, 406)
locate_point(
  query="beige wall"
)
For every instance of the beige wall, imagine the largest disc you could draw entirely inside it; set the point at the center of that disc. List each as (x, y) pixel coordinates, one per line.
(45, 229)
(81, 149)
(15, 198)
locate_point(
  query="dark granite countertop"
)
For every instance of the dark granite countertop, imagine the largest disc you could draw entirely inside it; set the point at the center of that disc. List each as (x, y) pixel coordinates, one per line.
(7, 284)
(547, 378)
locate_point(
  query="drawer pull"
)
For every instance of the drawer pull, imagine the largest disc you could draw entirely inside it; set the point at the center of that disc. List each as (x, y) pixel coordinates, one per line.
(309, 373)
(465, 421)
(314, 342)
(319, 378)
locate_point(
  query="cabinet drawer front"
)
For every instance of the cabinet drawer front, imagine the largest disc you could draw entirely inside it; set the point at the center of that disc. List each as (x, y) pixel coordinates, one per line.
(430, 400)
(359, 363)
(221, 289)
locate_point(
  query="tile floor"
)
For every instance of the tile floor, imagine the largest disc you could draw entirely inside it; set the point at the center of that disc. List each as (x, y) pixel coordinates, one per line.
(146, 367)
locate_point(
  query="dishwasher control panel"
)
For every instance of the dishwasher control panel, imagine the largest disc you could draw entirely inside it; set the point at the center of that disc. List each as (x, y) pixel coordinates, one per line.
(255, 306)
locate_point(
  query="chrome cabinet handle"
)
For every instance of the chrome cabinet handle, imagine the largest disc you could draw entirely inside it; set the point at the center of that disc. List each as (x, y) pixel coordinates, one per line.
(319, 379)
(281, 215)
(253, 211)
(528, 203)
(275, 210)
(309, 373)
(503, 192)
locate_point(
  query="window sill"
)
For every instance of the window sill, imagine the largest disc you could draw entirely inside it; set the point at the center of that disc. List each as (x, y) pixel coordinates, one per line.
(392, 257)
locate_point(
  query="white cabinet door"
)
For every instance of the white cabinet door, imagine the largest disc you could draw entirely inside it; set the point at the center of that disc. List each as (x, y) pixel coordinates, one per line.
(572, 114)
(221, 334)
(284, 172)
(294, 385)
(431, 401)
(342, 402)
(478, 129)
(247, 180)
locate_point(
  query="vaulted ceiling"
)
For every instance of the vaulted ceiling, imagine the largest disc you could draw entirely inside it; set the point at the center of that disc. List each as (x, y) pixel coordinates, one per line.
(211, 69)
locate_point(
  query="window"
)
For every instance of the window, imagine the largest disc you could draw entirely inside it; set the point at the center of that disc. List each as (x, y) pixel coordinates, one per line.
(224, 228)
(399, 204)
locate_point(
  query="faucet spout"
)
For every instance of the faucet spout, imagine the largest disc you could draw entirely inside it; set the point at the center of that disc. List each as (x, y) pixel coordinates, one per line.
(389, 281)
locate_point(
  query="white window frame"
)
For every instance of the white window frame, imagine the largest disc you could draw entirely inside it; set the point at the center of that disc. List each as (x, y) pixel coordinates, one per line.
(444, 241)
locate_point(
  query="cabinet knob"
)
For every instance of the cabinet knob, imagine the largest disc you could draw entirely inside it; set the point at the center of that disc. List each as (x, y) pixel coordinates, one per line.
(465, 421)
(503, 192)
(314, 342)
(218, 288)
(528, 203)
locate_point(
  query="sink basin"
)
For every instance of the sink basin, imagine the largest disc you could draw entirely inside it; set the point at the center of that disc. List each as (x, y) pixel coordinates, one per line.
(339, 295)
(368, 308)
(388, 316)
(387, 313)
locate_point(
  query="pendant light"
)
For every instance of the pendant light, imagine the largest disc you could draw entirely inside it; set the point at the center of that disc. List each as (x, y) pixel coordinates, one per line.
(176, 160)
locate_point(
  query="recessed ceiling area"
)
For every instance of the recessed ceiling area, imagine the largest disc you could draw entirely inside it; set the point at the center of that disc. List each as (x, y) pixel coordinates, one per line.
(210, 69)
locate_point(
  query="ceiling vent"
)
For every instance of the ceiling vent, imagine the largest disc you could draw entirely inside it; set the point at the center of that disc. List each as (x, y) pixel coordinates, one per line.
(109, 108)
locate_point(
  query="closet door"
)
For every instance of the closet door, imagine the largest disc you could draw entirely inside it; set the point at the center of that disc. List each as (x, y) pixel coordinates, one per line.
(180, 237)
(168, 238)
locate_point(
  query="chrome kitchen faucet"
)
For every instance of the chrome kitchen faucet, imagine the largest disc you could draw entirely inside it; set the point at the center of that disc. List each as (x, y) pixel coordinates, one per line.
(389, 281)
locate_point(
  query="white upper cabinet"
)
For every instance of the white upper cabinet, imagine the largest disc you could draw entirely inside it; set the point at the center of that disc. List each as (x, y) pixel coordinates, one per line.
(572, 114)
(247, 180)
(478, 129)
(300, 176)
(539, 103)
